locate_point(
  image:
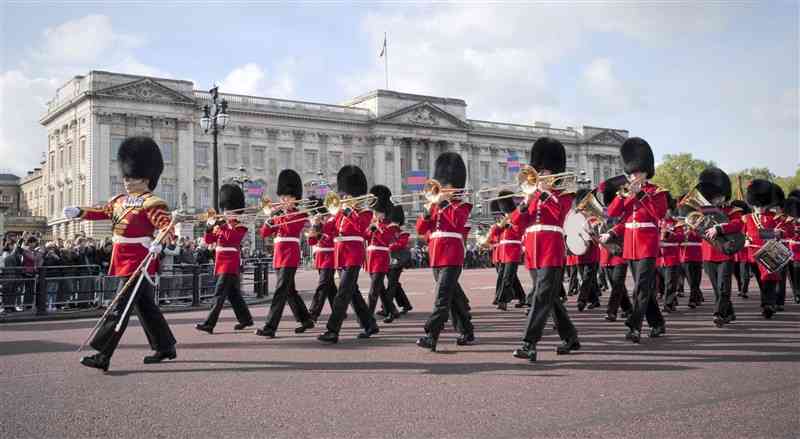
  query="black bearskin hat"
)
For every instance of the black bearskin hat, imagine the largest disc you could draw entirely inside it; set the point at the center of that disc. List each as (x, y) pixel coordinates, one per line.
(794, 194)
(384, 195)
(741, 204)
(450, 170)
(637, 156)
(289, 183)
(231, 197)
(714, 182)
(351, 181)
(397, 215)
(506, 205)
(140, 157)
(791, 207)
(780, 194)
(548, 153)
(762, 193)
(317, 204)
(494, 208)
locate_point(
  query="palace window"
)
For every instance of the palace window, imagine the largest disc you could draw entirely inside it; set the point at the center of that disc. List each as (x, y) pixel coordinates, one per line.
(83, 194)
(168, 191)
(335, 161)
(231, 155)
(115, 144)
(258, 157)
(360, 160)
(201, 154)
(503, 172)
(484, 172)
(203, 198)
(166, 151)
(285, 158)
(311, 160)
(245, 155)
(69, 155)
(83, 148)
(116, 186)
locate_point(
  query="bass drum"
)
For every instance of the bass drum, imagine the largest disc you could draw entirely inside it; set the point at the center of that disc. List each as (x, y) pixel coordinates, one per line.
(576, 233)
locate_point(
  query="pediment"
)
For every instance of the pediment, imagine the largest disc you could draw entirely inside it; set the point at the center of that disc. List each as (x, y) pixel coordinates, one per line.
(146, 89)
(424, 114)
(607, 137)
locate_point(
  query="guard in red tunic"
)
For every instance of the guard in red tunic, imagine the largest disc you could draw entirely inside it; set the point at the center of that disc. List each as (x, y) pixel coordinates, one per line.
(509, 254)
(135, 216)
(586, 266)
(351, 231)
(382, 233)
(286, 224)
(715, 185)
(492, 241)
(611, 257)
(445, 219)
(791, 209)
(543, 214)
(671, 238)
(741, 260)
(760, 227)
(641, 211)
(401, 258)
(227, 234)
(320, 238)
(691, 259)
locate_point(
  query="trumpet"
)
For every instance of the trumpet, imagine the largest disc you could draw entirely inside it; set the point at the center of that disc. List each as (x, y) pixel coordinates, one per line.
(334, 203)
(624, 190)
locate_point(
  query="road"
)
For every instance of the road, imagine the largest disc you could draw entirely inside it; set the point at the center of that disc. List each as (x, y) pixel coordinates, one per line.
(698, 381)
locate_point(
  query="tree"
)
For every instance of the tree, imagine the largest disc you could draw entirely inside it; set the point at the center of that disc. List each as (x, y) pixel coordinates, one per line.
(678, 172)
(746, 176)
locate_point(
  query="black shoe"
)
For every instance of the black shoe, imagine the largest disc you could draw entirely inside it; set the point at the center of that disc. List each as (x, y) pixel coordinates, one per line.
(466, 340)
(406, 309)
(767, 311)
(719, 321)
(611, 317)
(568, 346)
(502, 306)
(594, 305)
(633, 335)
(160, 356)
(264, 332)
(308, 324)
(329, 337)
(526, 352)
(520, 305)
(427, 342)
(745, 296)
(692, 305)
(97, 361)
(369, 332)
(658, 331)
(381, 313)
(778, 307)
(625, 314)
(390, 318)
(204, 327)
(668, 309)
(240, 326)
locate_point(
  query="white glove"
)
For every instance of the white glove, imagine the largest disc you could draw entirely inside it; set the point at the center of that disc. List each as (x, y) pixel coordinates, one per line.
(72, 212)
(211, 222)
(155, 248)
(605, 237)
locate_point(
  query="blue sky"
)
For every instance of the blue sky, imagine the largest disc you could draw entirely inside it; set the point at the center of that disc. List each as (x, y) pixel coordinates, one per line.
(719, 80)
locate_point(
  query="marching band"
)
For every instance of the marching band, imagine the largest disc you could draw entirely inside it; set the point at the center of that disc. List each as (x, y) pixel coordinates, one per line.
(627, 223)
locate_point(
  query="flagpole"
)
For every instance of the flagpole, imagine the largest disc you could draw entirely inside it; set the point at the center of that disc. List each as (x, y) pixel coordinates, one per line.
(386, 58)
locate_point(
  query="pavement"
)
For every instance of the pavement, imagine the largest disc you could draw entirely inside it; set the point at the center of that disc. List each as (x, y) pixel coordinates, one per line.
(741, 381)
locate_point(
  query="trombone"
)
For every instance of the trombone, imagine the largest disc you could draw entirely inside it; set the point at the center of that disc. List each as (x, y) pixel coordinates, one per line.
(528, 180)
(334, 203)
(432, 192)
(269, 207)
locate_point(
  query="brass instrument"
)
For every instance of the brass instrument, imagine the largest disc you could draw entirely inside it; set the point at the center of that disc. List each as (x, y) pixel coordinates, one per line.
(433, 192)
(596, 224)
(245, 214)
(694, 200)
(624, 190)
(528, 180)
(269, 207)
(700, 222)
(334, 203)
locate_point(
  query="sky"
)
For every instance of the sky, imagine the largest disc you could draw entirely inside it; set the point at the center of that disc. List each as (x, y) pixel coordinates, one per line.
(717, 79)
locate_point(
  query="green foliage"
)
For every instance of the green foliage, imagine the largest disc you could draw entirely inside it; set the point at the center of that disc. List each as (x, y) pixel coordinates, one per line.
(787, 183)
(678, 172)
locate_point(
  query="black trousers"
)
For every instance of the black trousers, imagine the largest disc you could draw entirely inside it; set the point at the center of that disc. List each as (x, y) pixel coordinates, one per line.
(780, 294)
(645, 304)
(769, 292)
(346, 295)
(694, 273)
(498, 285)
(326, 290)
(602, 278)
(670, 276)
(619, 292)
(377, 290)
(532, 292)
(159, 336)
(285, 292)
(549, 282)
(450, 299)
(395, 288)
(510, 286)
(589, 291)
(795, 278)
(574, 284)
(719, 274)
(229, 287)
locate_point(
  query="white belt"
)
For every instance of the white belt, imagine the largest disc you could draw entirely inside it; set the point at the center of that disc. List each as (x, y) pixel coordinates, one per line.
(692, 244)
(508, 241)
(227, 249)
(377, 248)
(315, 249)
(544, 228)
(440, 234)
(286, 239)
(348, 238)
(639, 225)
(669, 244)
(143, 240)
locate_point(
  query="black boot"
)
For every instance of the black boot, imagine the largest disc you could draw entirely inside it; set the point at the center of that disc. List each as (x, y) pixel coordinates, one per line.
(466, 340)
(767, 311)
(158, 357)
(204, 328)
(428, 342)
(657, 331)
(329, 337)
(369, 332)
(502, 306)
(526, 352)
(568, 346)
(97, 361)
(265, 332)
(308, 324)
(633, 335)
(581, 305)
(719, 321)
(594, 305)
(406, 309)
(240, 326)
(390, 318)
(381, 313)
(611, 317)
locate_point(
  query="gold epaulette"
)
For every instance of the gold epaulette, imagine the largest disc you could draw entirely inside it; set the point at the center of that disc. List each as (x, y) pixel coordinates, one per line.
(152, 201)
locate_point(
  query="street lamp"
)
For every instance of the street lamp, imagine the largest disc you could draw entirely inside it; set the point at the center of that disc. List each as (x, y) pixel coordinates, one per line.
(215, 118)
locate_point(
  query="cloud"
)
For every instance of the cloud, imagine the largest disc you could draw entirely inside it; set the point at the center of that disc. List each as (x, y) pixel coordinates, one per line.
(605, 91)
(252, 79)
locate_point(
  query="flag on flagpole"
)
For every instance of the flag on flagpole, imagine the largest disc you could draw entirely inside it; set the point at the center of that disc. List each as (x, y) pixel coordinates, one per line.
(383, 48)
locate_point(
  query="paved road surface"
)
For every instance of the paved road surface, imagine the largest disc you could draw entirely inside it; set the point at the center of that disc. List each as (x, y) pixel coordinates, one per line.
(697, 382)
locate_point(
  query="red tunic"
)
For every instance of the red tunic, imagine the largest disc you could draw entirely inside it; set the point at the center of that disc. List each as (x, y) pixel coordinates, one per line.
(639, 224)
(509, 244)
(609, 260)
(691, 247)
(228, 237)
(287, 239)
(351, 233)
(734, 225)
(543, 222)
(400, 243)
(322, 245)
(751, 230)
(670, 245)
(493, 240)
(134, 218)
(793, 231)
(446, 227)
(378, 246)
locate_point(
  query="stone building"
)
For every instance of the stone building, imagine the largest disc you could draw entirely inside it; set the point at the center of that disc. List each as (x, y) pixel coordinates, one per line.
(387, 133)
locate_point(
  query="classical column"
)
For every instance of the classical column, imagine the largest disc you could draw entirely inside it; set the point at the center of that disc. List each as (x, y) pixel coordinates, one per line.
(397, 185)
(432, 154)
(379, 173)
(299, 153)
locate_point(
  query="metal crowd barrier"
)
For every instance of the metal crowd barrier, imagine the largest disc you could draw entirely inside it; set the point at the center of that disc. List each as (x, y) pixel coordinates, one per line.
(52, 289)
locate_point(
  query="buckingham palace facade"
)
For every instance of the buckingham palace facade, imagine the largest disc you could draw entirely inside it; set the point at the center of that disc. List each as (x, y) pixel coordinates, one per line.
(388, 134)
